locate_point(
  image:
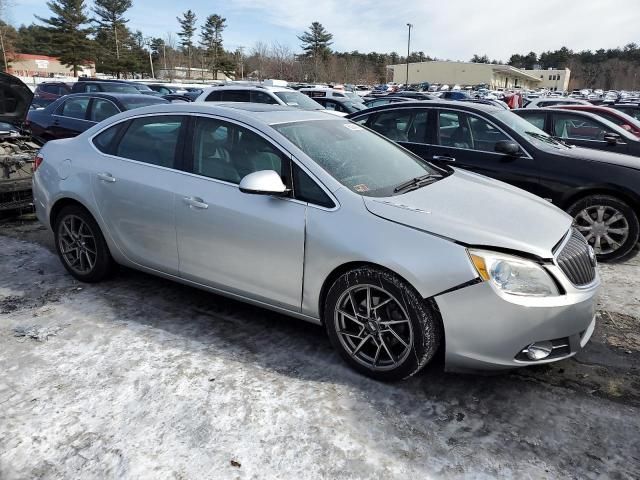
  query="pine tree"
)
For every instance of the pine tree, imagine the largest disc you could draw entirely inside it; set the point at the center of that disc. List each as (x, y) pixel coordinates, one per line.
(188, 29)
(69, 34)
(211, 40)
(112, 34)
(315, 43)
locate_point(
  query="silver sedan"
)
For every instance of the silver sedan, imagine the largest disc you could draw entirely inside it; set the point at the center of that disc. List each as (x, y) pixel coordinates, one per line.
(322, 219)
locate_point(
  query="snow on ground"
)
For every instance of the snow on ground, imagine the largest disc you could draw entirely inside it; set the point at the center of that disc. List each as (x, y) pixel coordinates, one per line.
(139, 377)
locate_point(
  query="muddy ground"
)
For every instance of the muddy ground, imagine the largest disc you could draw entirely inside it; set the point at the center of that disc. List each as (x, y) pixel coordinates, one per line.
(139, 377)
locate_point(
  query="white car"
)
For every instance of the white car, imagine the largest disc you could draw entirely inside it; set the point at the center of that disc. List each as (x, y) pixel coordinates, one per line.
(331, 93)
(262, 94)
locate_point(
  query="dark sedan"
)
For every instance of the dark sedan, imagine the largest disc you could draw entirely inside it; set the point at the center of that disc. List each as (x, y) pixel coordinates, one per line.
(583, 129)
(600, 190)
(338, 104)
(73, 114)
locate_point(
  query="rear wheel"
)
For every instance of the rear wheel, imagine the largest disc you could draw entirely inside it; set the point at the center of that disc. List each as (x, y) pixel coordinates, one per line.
(608, 224)
(380, 325)
(81, 246)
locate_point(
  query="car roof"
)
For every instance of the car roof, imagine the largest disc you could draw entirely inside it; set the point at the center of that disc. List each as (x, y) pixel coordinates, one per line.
(434, 103)
(249, 113)
(268, 88)
(117, 95)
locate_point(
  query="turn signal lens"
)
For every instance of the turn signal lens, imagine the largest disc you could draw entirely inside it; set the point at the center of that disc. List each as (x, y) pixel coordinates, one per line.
(480, 265)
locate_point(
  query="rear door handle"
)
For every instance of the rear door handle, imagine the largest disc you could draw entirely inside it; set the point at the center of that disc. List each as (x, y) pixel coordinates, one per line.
(196, 202)
(106, 177)
(443, 158)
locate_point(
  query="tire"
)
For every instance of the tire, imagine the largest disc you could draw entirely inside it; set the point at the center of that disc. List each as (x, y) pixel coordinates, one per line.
(99, 264)
(604, 208)
(381, 356)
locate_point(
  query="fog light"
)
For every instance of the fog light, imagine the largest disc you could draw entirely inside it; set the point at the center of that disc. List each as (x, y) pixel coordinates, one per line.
(539, 350)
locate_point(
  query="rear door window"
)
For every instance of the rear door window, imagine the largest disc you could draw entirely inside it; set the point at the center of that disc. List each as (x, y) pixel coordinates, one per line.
(151, 140)
(75, 107)
(262, 97)
(102, 109)
(406, 125)
(236, 96)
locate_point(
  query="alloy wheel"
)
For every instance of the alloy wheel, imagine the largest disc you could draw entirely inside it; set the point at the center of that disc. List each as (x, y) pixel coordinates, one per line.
(604, 227)
(77, 244)
(373, 327)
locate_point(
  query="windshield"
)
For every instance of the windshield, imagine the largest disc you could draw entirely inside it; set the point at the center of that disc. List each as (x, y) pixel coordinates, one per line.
(140, 101)
(359, 159)
(298, 100)
(529, 131)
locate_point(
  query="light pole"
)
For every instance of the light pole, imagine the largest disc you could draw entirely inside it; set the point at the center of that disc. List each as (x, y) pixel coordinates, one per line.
(408, 49)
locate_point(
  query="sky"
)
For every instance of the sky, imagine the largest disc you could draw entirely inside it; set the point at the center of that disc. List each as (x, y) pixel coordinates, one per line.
(446, 29)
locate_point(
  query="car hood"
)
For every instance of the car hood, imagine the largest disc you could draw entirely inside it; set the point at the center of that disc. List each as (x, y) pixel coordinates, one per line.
(478, 211)
(15, 101)
(603, 156)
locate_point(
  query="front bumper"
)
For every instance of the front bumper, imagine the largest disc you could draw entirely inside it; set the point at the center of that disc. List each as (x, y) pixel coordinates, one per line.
(486, 329)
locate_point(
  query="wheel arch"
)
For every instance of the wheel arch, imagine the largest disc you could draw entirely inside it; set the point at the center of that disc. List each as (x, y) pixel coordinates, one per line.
(61, 203)
(344, 268)
(633, 200)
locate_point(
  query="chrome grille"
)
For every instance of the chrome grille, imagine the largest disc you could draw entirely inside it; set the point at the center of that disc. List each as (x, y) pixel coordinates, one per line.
(576, 260)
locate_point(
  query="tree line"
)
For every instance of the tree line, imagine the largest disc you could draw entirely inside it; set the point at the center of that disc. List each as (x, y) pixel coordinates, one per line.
(79, 34)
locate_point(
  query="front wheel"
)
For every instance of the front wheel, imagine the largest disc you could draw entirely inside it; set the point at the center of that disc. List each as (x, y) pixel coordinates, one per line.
(380, 325)
(608, 224)
(81, 246)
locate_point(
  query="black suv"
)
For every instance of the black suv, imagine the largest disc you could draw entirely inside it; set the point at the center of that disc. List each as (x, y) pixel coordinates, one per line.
(600, 190)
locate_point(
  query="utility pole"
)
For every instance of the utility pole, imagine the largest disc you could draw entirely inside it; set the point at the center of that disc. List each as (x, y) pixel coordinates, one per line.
(4, 53)
(408, 49)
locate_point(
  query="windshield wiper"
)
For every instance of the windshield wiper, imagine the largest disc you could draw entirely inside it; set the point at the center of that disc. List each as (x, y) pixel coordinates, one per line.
(546, 138)
(416, 182)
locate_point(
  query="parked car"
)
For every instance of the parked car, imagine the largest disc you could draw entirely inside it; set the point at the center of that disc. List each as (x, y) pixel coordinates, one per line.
(617, 117)
(631, 109)
(318, 218)
(376, 102)
(49, 92)
(112, 86)
(73, 114)
(600, 190)
(414, 95)
(165, 89)
(262, 94)
(542, 102)
(343, 105)
(16, 144)
(583, 129)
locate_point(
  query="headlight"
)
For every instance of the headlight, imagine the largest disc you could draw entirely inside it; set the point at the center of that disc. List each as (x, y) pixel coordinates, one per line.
(513, 275)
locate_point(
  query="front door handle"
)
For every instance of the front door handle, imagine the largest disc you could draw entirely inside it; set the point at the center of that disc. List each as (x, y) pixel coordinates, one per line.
(106, 177)
(443, 158)
(195, 202)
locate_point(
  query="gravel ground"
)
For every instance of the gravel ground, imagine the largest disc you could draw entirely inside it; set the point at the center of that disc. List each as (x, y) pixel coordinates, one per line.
(139, 377)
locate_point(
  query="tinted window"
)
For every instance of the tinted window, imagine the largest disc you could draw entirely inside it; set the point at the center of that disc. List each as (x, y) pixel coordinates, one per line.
(215, 96)
(75, 107)
(484, 135)
(307, 190)
(151, 140)
(261, 97)
(228, 152)
(104, 140)
(402, 125)
(102, 109)
(536, 119)
(453, 130)
(236, 96)
(576, 127)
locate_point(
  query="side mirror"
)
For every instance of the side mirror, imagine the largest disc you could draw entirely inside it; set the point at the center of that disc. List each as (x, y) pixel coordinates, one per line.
(263, 182)
(507, 147)
(611, 138)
